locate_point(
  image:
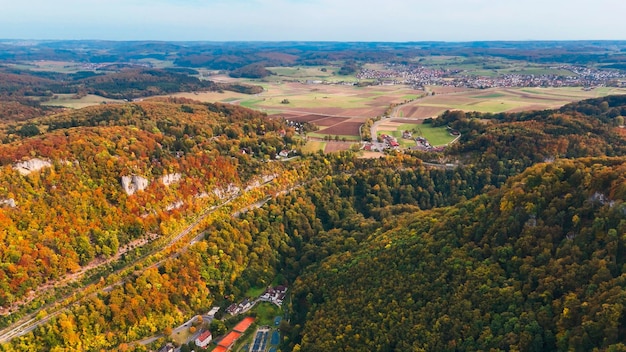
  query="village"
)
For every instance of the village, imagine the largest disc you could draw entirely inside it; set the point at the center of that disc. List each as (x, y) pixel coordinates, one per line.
(420, 76)
(239, 338)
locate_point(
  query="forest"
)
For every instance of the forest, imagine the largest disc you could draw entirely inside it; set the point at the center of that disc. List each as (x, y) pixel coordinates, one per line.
(235, 55)
(519, 246)
(23, 91)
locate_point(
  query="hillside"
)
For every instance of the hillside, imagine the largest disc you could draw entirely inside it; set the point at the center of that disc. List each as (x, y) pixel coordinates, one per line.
(516, 246)
(22, 91)
(98, 180)
(541, 271)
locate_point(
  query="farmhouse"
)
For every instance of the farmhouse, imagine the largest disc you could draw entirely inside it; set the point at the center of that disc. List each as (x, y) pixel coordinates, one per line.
(391, 141)
(274, 295)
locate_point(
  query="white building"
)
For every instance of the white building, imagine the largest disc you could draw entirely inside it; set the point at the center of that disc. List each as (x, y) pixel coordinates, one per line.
(204, 339)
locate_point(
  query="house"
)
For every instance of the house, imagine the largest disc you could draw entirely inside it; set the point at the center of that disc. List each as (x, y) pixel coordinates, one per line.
(283, 153)
(204, 339)
(274, 295)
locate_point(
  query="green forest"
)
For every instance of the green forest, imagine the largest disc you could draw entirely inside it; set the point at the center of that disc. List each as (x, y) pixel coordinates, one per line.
(520, 245)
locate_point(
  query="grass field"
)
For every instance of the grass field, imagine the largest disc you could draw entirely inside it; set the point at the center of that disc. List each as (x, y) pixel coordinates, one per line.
(255, 291)
(181, 337)
(68, 101)
(313, 146)
(265, 313)
(436, 135)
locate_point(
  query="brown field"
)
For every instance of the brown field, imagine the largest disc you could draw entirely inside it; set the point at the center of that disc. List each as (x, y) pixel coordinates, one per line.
(392, 124)
(348, 128)
(336, 146)
(420, 111)
(305, 118)
(330, 121)
(371, 155)
(448, 90)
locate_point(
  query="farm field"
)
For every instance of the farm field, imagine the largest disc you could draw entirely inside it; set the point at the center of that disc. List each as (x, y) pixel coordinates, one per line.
(498, 100)
(68, 101)
(313, 146)
(338, 100)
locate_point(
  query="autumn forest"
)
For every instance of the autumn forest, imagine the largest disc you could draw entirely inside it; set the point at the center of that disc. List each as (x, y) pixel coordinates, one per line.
(119, 222)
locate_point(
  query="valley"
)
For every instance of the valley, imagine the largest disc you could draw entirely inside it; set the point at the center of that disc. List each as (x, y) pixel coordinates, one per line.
(390, 197)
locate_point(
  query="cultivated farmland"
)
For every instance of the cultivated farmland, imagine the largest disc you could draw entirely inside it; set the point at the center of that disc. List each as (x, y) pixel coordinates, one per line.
(497, 100)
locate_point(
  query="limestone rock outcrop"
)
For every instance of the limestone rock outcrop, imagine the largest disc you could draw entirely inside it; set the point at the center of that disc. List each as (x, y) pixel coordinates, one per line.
(171, 178)
(9, 202)
(32, 165)
(132, 184)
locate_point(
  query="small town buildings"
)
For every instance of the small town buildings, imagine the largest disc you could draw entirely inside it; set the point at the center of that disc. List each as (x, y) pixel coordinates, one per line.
(275, 295)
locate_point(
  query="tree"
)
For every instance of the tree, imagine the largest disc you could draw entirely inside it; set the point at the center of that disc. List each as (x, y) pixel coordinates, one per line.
(167, 331)
(218, 327)
(29, 130)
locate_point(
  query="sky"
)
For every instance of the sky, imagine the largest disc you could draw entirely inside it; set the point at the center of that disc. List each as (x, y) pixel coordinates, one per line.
(313, 20)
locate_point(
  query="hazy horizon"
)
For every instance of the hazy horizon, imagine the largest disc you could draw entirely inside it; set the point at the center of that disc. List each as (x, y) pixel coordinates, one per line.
(313, 20)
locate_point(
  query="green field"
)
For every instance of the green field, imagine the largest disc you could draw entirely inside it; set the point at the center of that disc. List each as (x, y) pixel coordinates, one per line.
(436, 136)
(265, 313)
(255, 291)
